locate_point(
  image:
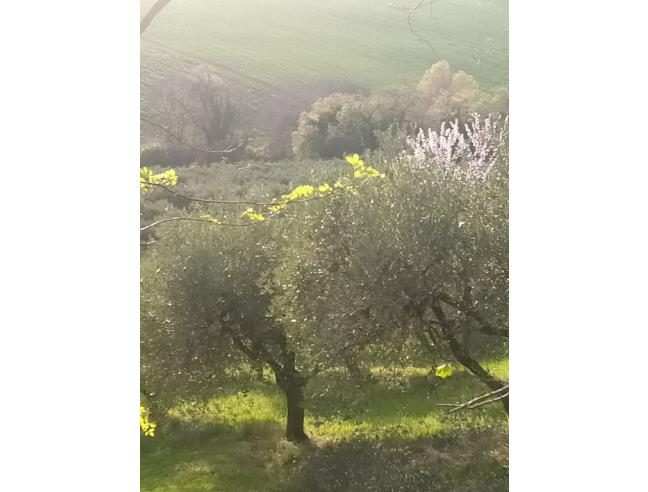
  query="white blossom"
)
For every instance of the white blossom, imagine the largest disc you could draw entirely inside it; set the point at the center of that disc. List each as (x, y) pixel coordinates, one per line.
(472, 152)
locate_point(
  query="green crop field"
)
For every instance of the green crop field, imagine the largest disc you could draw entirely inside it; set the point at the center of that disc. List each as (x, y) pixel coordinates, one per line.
(266, 46)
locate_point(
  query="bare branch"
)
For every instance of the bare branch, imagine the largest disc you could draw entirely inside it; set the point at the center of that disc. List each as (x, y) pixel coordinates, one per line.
(349, 345)
(239, 202)
(410, 22)
(485, 327)
(155, 10)
(195, 219)
(485, 399)
(486, 402)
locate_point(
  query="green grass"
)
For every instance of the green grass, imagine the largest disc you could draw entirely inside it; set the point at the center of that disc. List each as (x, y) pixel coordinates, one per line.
(273, 45)
(233, 441)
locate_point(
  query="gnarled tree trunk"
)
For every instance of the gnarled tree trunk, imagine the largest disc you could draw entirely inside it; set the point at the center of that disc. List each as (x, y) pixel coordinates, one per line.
(473, 366)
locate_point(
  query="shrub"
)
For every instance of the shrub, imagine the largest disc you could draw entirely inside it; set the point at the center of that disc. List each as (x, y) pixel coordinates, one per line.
(344, 123)
(167, 156)
(335, 125)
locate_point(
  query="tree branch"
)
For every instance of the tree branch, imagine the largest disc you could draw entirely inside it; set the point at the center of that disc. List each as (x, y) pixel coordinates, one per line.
(485, 399)
(410, 22)
(350, 344)
(237, 202)
(264, 355)
(194, 219)
(485, 326)
(461, 353)
(150, 15)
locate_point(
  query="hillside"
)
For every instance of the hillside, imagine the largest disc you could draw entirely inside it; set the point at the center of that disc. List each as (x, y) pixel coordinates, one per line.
(276, 46)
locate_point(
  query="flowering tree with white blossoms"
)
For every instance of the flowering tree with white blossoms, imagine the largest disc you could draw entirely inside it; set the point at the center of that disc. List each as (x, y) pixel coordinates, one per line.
(472, 152)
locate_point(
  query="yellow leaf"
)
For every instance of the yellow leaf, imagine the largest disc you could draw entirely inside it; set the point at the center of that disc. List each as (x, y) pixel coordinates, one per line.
(443, 371)
(253, 216)
(148, 428)
(277, 208)
(354, 159)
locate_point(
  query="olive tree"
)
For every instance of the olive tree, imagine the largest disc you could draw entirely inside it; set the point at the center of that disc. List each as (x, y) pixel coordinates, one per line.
(205, 305)
(424, 253)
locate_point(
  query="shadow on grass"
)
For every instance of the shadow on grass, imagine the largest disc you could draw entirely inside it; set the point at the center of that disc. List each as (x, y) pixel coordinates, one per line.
(475, 461)
(390, 435)
(414, 397)
(210, 457)
(220, 459)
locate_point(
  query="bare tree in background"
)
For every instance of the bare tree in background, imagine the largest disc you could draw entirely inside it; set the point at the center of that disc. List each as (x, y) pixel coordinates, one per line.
(169, 113)
(199, 108)
(214, 115)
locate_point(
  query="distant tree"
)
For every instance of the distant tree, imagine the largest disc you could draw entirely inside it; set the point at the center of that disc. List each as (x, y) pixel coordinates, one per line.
(281, 111)
(199, 108)
(446, 95)
(334, 126)
(346, 123)
(390, 106)
(496, 103)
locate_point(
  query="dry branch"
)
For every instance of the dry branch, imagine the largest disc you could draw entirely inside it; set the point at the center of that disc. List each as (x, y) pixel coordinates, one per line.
(485, 399)
(195, 219)
(410, 22)
(238, 202)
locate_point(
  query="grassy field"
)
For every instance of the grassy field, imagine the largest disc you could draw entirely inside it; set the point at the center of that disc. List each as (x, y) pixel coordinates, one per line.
(390, 432)
(278, 45)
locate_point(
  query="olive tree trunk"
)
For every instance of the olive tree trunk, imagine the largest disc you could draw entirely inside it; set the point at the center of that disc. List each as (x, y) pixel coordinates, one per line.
(295, 420)
(293, 384)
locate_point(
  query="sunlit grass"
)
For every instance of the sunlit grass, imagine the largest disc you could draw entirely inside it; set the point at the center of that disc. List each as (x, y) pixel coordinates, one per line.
(232, 441)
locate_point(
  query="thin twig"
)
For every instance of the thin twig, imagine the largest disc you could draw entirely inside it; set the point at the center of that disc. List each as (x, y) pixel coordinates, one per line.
(237, 202)
(195, 219)
(410, 22)
(485, 402)
(498, 394)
